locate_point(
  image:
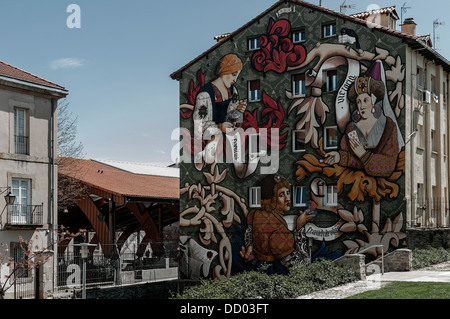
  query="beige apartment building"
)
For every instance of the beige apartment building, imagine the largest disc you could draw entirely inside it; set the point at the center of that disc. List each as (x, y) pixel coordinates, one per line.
(427, 164)
(427, 127)
(28, 175)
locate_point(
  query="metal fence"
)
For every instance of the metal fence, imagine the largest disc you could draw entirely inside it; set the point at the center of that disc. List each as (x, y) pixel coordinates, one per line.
(125, 268)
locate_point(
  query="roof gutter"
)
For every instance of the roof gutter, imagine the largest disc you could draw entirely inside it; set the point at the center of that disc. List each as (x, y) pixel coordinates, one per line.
(51, 90)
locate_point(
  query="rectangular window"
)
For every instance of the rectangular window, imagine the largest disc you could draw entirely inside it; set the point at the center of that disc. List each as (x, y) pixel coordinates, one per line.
(445, 94)
(254, 91)
(331, 137)
(421, 136)
(20, 260)
(445, 144)
(433, 85)
(255, 146)
(254, 44)
(445, 200)
(329, 30)
(331, 80)
(419, 78)
(20, 213)
(299, 36)
(434, 142)
(298, 141)
(420, 194)
(436, 202)
(255, 197)
(298, 85)
(331, 197)
(299, 196)
(20, 131)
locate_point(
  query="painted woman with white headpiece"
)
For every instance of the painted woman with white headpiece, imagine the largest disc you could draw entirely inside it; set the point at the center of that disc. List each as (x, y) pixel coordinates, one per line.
(370, 140)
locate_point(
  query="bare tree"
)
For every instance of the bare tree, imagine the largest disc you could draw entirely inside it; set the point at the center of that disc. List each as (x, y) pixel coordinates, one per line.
(69, 149)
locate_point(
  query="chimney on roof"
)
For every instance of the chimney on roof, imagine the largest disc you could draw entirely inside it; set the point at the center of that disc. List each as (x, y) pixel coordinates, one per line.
(409, 26)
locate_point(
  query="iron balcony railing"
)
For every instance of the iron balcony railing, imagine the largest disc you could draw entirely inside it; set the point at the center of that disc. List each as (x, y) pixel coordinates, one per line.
(21, 144)
(25, 215)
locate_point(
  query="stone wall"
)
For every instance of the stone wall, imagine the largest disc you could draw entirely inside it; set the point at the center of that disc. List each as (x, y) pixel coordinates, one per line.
(155, 290)
(420, 238)
(398, 260)
(354, 261)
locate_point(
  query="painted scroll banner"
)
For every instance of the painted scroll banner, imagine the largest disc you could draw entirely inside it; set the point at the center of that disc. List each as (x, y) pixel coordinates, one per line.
(323, 234)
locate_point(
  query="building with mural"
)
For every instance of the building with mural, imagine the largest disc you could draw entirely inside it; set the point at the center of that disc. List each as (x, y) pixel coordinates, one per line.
(308, 133)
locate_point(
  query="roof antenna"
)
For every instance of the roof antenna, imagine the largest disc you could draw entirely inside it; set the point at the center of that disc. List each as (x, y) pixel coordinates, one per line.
(403, 10)
(344, 6)
(436, 23)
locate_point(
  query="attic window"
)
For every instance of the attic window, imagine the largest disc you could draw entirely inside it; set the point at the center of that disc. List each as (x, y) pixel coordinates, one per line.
(254, 44)
(299, 36)
(329, 30)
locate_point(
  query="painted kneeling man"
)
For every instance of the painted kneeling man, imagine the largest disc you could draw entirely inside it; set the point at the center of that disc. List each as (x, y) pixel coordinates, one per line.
(268, 237)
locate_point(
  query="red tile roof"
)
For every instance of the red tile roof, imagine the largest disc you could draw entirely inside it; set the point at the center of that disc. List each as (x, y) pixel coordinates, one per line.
(120, 182)
(415, 42)
(16, 73)
(366, 14)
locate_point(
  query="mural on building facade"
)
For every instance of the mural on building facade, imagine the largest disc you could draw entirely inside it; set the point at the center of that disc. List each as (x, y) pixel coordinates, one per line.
(220, 232)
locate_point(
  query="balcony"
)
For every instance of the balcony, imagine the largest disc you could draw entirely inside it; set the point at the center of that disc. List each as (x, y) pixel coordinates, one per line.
(23, 216)
(21, 144)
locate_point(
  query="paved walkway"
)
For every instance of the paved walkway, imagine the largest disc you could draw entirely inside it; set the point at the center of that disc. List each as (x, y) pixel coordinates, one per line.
(436, 273)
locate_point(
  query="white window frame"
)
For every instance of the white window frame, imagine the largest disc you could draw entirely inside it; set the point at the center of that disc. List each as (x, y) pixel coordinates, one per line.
(333, 201)
(300, 34)
(329, 28)
(300, 90)
(254, 95)
(330, 86)
(19, 256)
(21, 188)
(254, 197)
(254, 44)
(420, 194)
(420, 79)
(326, 146)
(254, 142)
(20, 130)
(303, 194)
(434, 141)
(294, 137)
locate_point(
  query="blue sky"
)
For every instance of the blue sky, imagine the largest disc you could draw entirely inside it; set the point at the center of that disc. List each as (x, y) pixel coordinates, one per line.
(117, 65)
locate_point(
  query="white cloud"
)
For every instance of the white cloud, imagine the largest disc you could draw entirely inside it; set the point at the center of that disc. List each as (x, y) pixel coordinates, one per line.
(66, 63)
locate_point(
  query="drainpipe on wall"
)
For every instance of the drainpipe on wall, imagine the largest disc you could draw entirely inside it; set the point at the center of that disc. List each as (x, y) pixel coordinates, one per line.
(427, 158)
(412, 148)
(447, 141)
(52, 191)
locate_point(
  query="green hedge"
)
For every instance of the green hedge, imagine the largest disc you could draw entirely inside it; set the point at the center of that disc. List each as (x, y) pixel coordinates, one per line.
(429, 256)
(301, 280)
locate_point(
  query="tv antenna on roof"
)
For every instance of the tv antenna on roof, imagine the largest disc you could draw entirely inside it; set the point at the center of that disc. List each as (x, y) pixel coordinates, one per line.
(436, 24)
(404, 8)
(344, 6)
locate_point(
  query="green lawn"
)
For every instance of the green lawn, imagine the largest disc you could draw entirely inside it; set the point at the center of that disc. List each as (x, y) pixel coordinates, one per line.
(408, 290)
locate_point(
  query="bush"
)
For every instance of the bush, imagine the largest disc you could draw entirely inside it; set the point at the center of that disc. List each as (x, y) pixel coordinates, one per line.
(301, 280)
(429, 256)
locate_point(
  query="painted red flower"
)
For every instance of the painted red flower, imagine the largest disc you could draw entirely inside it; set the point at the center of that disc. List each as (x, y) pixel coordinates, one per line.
(274, 115)
(277, 51)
